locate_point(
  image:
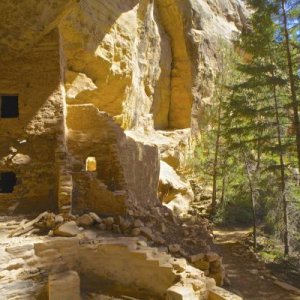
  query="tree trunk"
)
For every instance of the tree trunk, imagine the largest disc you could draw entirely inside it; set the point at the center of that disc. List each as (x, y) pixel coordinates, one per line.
(292, 81)
(282, 174)
(252, 194)
(223, 190)
(215, 165)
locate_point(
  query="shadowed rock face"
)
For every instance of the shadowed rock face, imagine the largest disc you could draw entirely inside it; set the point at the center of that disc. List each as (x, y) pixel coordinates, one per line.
(117, 80)
(157, 51)
(24, 23)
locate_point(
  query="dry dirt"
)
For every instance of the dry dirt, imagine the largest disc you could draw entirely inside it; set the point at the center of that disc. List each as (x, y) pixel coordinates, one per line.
(247, 278)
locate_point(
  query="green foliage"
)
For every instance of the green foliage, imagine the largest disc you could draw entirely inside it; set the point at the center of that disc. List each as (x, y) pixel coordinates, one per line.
(257, 148)
(237, 210)
(270, 256)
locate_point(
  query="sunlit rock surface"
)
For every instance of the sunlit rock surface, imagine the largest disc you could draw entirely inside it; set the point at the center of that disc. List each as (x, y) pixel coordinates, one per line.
(148, 65)
(109, 97)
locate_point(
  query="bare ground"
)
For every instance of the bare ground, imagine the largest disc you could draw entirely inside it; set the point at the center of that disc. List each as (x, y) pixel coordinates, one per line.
(248, 278)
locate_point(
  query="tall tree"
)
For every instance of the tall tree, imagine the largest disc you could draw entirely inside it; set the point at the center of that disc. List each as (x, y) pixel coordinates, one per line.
(254, 104)
(222, 78)
(291, 76)
(282, 167)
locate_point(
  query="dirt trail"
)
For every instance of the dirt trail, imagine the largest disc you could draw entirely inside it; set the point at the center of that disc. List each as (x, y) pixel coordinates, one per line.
(246, 280)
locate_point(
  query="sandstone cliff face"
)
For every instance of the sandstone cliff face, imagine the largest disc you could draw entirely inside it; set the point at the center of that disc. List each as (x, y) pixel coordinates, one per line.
(146, 65)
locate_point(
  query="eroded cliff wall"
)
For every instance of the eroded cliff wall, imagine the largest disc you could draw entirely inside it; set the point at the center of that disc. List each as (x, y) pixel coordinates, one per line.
(123, 81)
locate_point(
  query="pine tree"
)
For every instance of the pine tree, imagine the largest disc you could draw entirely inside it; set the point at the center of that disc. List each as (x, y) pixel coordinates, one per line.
(254, 105)
(221, 82)
(292, 5)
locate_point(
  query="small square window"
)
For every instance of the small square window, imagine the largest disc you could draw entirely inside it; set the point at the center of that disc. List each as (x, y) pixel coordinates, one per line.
(9, 106)
(91, 164)
(8, 180)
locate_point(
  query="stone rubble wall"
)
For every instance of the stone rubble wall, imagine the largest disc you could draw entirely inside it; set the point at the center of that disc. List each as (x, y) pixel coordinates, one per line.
(127, 171)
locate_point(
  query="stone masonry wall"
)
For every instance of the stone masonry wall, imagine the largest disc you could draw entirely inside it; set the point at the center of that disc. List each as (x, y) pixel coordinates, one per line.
(27, 143)
(121, 179)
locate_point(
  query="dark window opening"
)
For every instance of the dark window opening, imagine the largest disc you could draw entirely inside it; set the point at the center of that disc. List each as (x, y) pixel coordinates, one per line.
(9, 106)
(8, 181)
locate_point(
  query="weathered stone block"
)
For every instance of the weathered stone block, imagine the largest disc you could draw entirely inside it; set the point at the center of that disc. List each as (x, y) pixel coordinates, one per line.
(181, 293)
(217, 293)
(67, 229)
(85, 220)
(64, 286)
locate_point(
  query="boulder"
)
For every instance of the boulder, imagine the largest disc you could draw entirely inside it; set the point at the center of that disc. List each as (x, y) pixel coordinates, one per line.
(50, 220)
(170, 183)
(21, 159)
(159, 240)
(59, 219)
(136, 231)
(212, 256)
(108, 221)
(125, 226)
(67, 229)
(147, 233)
(174, 248)
(138, 223)
(116, 228)
(119, 220)
(85, 220)
(95, 217)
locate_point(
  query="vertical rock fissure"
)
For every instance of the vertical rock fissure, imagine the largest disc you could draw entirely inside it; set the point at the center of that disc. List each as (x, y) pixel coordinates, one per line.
(162, 95)
(181, 75)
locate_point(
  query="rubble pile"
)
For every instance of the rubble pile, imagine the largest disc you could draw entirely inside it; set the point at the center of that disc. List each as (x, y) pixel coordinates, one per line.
(159, 228)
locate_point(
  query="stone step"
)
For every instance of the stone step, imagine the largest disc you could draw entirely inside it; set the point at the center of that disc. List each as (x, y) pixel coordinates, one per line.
(161, 258)
(140, 253)
(218, 293)
(19, 249)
